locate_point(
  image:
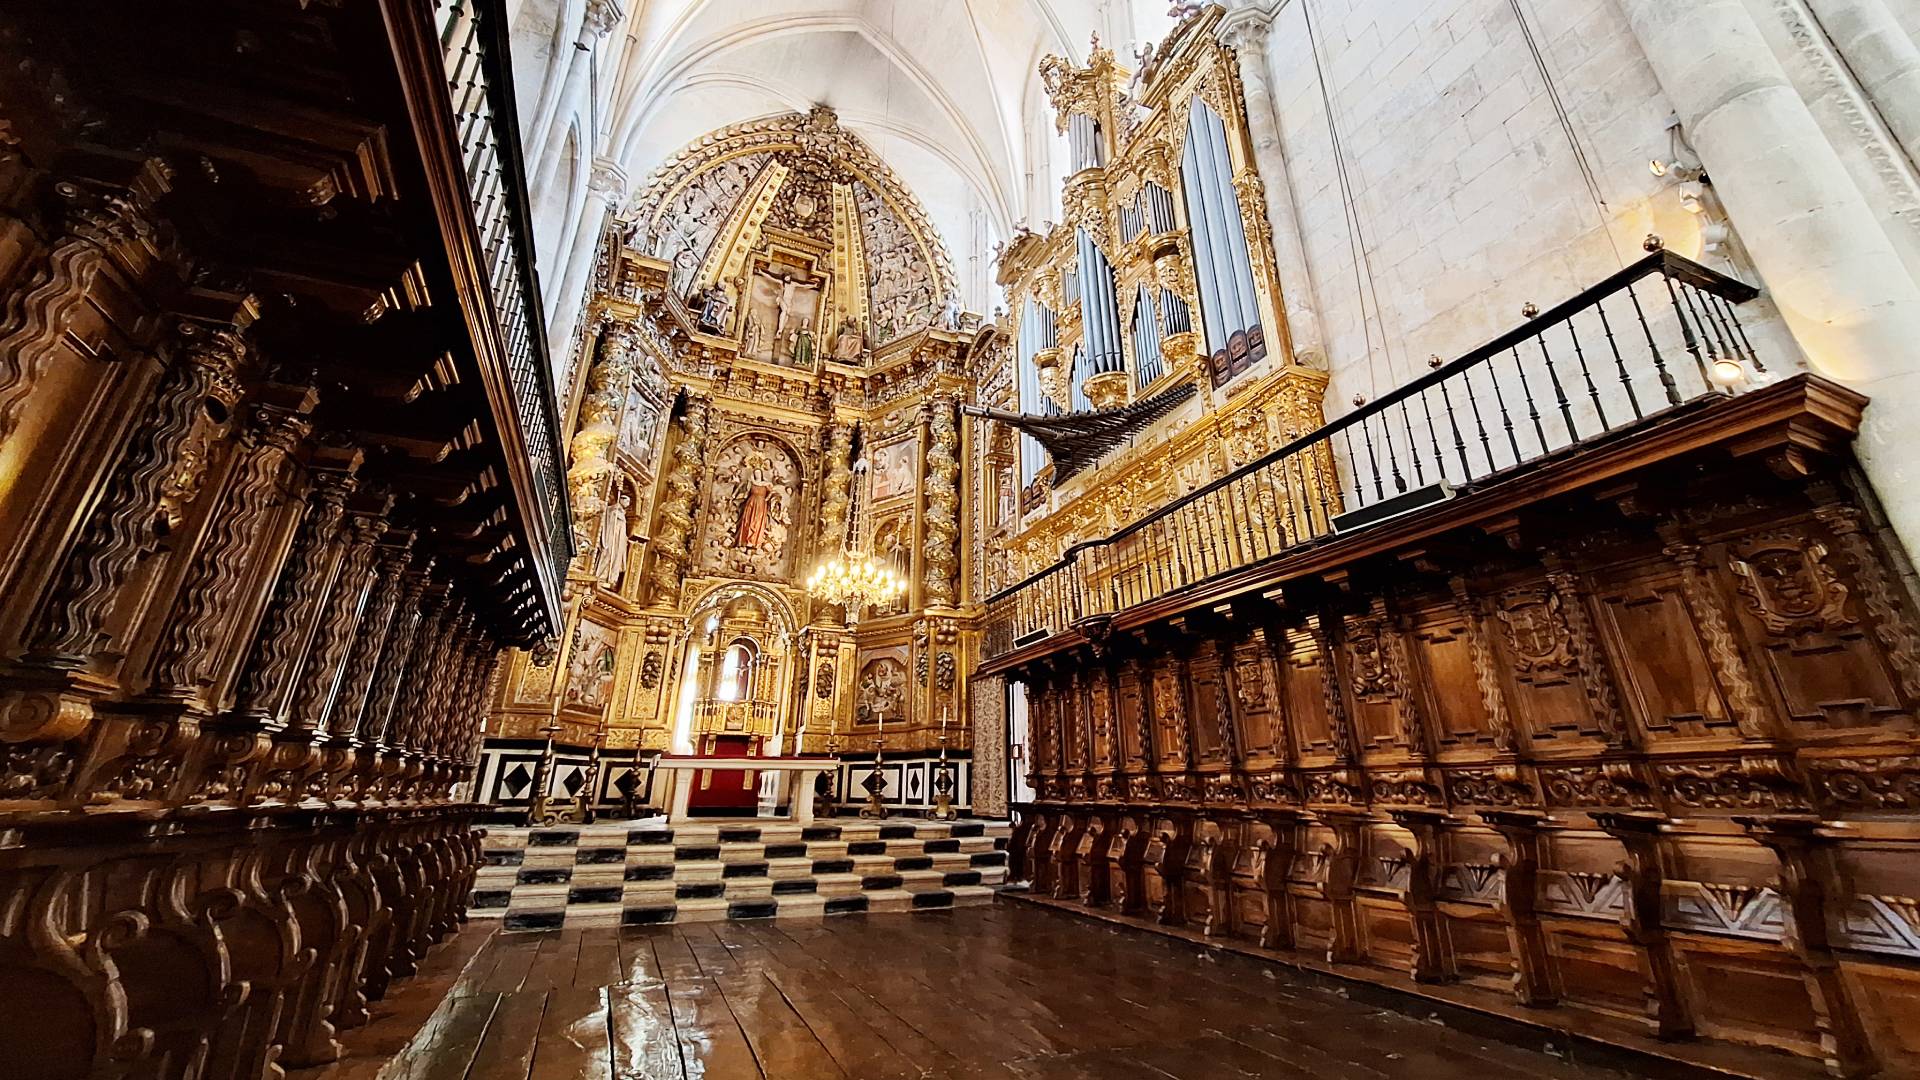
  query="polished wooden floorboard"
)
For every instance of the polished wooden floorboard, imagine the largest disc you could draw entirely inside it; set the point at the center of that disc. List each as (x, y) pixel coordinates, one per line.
(1005, 992)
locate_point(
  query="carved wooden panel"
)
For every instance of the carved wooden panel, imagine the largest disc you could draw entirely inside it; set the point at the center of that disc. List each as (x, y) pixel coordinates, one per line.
(1667, 679)
(1136, 740)
(1820, 661)
(1208, 707)
(1441, 644)
(1257, 735)
(1169, 709)
(1304, 682)
(1535, 641)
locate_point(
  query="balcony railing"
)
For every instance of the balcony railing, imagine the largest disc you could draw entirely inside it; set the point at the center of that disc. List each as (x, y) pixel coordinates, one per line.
(1656, 336)
(473, 42)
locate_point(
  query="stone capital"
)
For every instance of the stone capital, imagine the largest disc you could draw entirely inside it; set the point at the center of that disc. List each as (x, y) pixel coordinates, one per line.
(608, 180)
(601, 17)
(1244, 27)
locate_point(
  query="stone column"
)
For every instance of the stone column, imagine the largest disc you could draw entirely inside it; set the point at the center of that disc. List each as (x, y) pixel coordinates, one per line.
(1883, 58)
(549, 137)
(1831, 269)
(606, 187)
(1244, 30)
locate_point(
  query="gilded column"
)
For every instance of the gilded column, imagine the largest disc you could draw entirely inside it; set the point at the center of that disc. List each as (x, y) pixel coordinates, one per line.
(943, 503)
(839, 483)
(673, 540)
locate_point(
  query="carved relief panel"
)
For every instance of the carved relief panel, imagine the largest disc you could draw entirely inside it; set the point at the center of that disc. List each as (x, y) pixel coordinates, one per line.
(1136, 741)
(1257, 734)
(1535, 641)
(1169, 713)
(1818, 657)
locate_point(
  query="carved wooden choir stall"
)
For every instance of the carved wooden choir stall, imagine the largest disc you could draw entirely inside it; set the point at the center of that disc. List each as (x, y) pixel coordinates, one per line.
(277, 485)
(1576, 674)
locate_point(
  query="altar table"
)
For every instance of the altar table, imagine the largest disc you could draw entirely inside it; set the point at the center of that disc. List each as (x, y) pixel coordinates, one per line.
(683, 771)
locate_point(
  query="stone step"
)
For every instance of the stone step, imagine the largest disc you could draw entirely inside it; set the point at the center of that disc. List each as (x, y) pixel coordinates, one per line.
(638, 873)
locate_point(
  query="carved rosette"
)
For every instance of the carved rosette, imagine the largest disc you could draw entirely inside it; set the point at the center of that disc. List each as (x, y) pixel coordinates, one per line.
(943, 504)
(673, 537)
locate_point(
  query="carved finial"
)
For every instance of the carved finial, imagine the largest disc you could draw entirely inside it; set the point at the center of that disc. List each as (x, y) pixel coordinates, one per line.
(1653, 243)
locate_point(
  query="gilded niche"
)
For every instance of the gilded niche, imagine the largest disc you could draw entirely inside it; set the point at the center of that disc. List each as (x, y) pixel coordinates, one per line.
(753, 494)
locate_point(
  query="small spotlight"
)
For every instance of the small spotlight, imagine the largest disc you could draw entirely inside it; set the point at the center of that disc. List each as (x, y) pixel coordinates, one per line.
(1727, 372)
(1657, 167)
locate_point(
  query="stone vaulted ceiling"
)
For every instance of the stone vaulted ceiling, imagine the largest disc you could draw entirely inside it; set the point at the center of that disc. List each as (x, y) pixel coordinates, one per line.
(943, 90)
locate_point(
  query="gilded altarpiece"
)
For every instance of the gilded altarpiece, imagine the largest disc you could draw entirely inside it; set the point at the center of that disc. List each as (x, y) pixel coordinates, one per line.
(780, 311)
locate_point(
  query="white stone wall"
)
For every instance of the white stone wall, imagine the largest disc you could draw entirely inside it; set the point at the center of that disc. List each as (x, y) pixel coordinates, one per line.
(1496, 152)
(1466, 196)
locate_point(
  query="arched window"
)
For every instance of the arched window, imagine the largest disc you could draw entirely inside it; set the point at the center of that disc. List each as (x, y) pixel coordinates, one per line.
(1229, 317)
(736, 673)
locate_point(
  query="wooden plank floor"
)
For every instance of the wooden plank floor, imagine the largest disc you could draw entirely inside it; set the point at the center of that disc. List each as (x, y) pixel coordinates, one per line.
(1004, 991)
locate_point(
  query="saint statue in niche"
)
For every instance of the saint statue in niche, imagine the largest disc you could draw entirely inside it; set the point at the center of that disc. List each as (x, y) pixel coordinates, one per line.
(610, 560)
(756, 508)
(802, 350)
(752, 491)
(848, 342)
(750, 341)
(713, 308)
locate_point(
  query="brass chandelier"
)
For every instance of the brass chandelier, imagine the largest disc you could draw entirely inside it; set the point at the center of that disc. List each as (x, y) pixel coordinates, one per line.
(854, 576)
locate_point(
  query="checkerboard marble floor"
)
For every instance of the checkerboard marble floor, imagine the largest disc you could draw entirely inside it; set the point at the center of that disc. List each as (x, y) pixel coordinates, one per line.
(645, 872)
